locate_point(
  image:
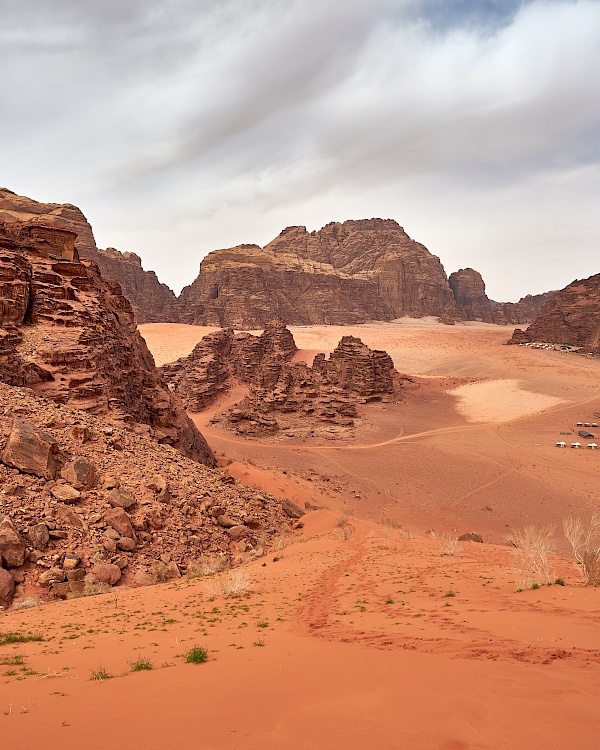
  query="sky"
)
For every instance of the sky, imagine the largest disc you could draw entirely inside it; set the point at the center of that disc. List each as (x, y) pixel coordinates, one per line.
(184, 126)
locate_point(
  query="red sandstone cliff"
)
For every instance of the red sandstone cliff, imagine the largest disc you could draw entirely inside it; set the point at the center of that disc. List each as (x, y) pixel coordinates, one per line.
(152, 302)
(571, 316)
(70, 335)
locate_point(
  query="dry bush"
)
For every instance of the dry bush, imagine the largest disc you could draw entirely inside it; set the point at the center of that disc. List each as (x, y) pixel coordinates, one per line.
(30, 601)
(532, 545)
(585, 543)
(343, 519)
(346, 531)
(232, 584)
(159, 571)
(207, 565)
(449, 544)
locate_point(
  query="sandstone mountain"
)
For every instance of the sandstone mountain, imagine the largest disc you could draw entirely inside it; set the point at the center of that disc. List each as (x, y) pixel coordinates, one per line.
(571, 316)
(282, 394)
(468, 288)
(70, 336)
(343, 274)
(152, 301)
(86, 503)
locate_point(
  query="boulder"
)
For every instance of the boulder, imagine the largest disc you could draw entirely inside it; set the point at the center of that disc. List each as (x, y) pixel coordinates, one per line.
(81, 473)
(31, 450)
(121, 499)
(471, 536)
(38, 536)
(12, 545)
(291, 509)
(106, 573)
(118, 519)
(237, 532)
(52, 576)
(7, 588)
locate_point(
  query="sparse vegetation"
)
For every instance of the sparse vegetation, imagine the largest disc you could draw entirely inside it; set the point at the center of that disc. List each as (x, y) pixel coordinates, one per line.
(100, 674)
(196, 655)
(13, 661)
(207, 565)
(27, 603)
(6, 638)
(141, 664)
(233, 584)
(585, 543)
(532, 545)
(449, 544)
(449, 593)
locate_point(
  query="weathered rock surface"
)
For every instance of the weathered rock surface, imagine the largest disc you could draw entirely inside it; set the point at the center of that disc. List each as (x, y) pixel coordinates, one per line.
(152, 302)
(343, 274)
(69, 335)
(282, 392)
(7, 588)
(30, 450)
(571, 316)
(173, 518)
(473, 303)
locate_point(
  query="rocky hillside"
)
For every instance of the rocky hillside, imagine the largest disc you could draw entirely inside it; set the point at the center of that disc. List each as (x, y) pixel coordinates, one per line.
(86, 503)
(70, 336)
(571, 316)
(282, 394)
(473, 303)
(152, 302)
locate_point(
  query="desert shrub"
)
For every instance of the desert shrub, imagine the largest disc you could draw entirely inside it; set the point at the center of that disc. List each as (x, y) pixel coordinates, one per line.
(6, 638)
(17, 660)
(141, 664)
(346, 531)
(196, 655)
(207, 565)
(100, 674)
(232, 584)
(585, 543)
(449, 544)
(159, 571)
(344, 518)
(92, 586)
(532, 545)
(27, 603)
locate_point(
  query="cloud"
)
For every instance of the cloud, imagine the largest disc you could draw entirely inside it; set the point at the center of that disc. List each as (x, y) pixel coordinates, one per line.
(183, 126)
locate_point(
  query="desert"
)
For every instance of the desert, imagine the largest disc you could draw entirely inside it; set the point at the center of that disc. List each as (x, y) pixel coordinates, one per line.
(363, 628)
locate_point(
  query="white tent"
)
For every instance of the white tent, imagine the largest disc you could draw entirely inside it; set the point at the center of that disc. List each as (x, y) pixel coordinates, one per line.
(561, 444)
(593, 446)
(575, 445)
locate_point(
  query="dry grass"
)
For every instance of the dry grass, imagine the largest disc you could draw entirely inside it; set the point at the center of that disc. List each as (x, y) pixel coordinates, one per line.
(30, 601)
(532, 545)
(449, 544)
(233, 584)
(207, 565)
(585, 543)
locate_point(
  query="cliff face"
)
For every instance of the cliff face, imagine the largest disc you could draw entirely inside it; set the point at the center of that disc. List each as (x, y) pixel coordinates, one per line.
(70, 335)
(152, 302)
(343, 274)
(468, 288)
(571, 316)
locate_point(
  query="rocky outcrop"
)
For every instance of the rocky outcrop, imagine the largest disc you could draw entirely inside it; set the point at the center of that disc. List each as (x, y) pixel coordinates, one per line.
(152, 302)
(343, 274)
(70, 335)
(282, 394)
(473, 303)
(571, 316)
(171, 512)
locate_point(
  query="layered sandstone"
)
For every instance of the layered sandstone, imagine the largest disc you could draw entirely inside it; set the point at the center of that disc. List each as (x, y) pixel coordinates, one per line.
(343, 274)
(97, 503)
(152, 301)
(571, 316)
(282, 394)
(471, 299)
(70, 335)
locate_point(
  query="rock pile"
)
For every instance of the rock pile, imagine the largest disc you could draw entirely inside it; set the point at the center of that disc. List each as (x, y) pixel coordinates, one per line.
(282, 394)
(70, 335)
(85, 502)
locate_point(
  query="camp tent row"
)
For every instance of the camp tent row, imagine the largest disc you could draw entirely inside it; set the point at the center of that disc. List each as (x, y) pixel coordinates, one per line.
(562, 444)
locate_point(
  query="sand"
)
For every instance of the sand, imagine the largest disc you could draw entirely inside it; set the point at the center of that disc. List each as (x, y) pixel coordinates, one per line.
(356, 632)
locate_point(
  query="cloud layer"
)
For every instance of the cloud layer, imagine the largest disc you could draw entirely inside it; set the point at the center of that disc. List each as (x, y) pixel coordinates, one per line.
(183, 126)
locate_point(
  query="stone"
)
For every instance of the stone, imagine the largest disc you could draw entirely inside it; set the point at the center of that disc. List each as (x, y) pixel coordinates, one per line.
(65, 493)
(237, 532)
(118, 519)
(66, 515)
(158, 486)
(172, 571)
(7, 588)
(226, 522)
(31, 450)
(120, 498)
(291, 509)
(106, 573)
(471, 536)
(109, 545)
(60, 589)
(126, 544)
(51, 576)
(38, 536)
(81, 473)
(12, 545)
(76, 574)
(70, 562)
(80, 433)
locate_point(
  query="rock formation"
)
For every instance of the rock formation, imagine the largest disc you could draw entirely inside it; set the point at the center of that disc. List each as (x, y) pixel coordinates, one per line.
(468, 288)
(282, 394)
(116, 506)
(571, 316)
(152, 301)
(70, 336)
(343, 274)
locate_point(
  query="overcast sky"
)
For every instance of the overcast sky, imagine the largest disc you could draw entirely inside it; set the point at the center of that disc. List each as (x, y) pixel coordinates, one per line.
(183, 126)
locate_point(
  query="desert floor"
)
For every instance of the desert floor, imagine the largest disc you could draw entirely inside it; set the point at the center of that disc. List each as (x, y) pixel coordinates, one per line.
(357, 632)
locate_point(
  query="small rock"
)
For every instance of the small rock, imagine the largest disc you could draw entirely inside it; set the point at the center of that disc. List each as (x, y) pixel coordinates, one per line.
(107, 573)
(126, 544)
(60, 589)
(79, 433)
(67, 516)
(472, 536)
(76, 575)
(236, 532)
(121, 499)
(80, 473)
(7, 588)
(109, 545)
(50, 576)
(38, 536)
(226, 522)
(159, 487)
(120, 522)
(172, 571)
(65, 493)
(291, 509)
(12, 545)
(70, 562)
